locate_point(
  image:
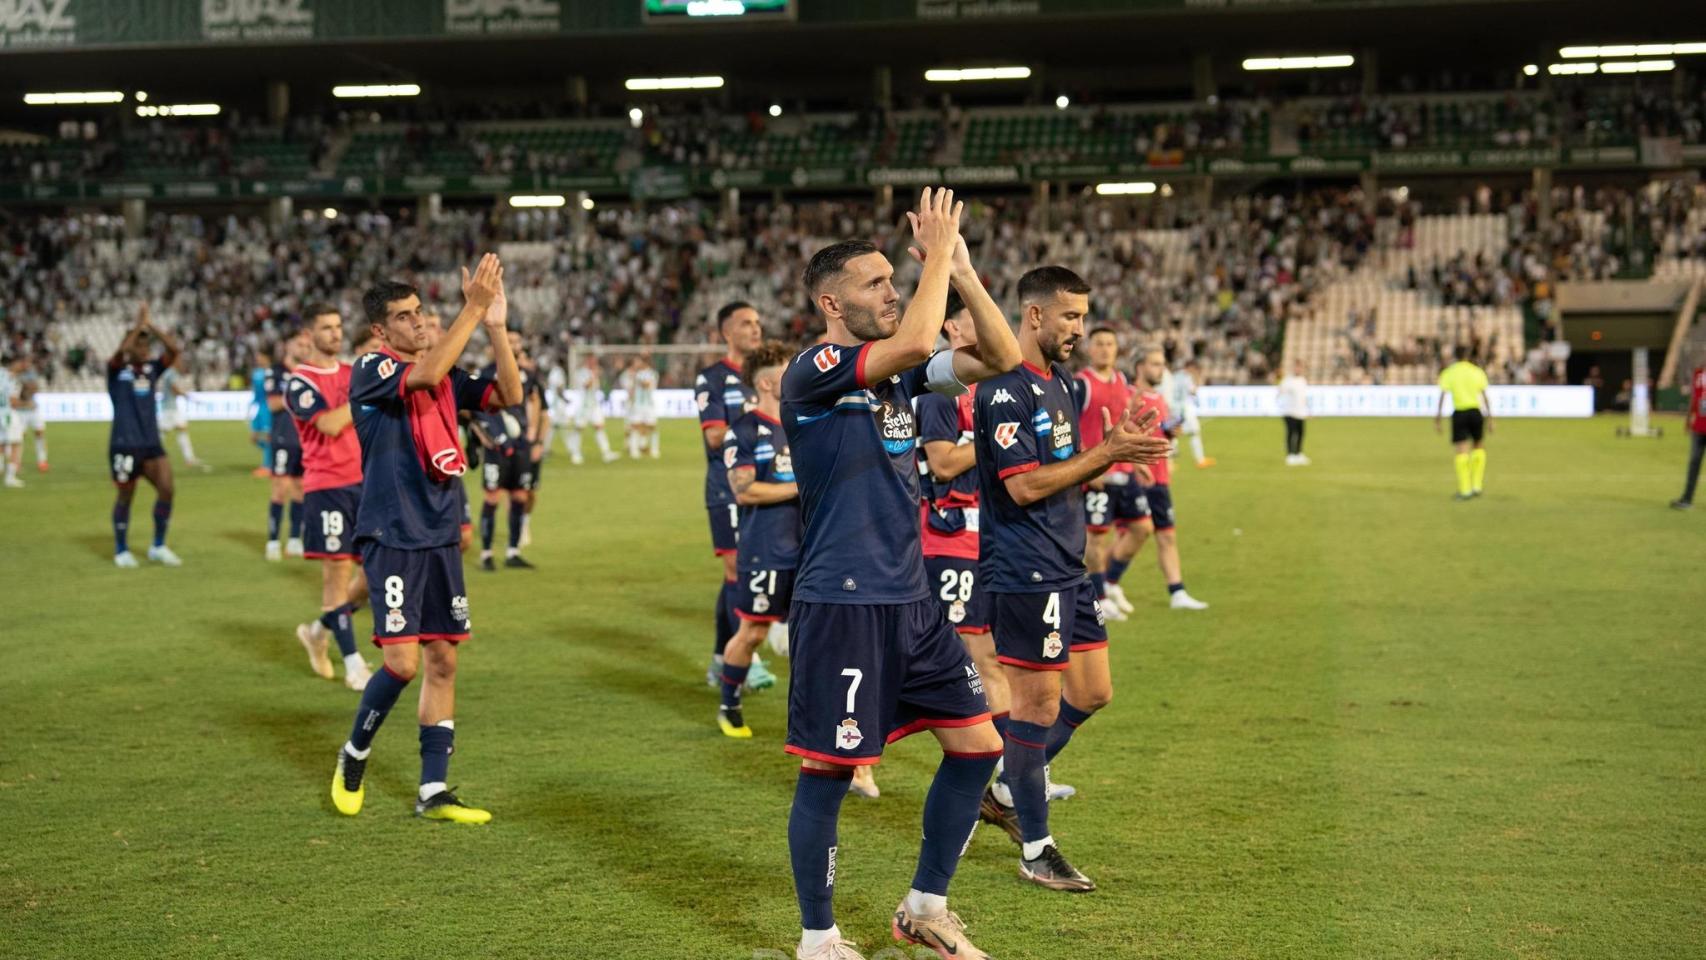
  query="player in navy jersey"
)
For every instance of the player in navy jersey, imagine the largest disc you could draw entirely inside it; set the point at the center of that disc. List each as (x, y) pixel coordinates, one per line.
(508, 439)
(133, 447)
(285, 445)
(723, 397)
(404, 399)
(432, 328)
(1030, 475)
(873, 658)
(761, 474)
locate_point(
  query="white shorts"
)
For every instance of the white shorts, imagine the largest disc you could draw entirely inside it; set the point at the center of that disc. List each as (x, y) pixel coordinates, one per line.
(647, 415)
(1188, 423)
(169, 421)
(589, 416)
(11, 425)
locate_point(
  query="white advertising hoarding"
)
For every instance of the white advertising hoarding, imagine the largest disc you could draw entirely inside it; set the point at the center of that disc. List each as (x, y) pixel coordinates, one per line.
(1211, 402)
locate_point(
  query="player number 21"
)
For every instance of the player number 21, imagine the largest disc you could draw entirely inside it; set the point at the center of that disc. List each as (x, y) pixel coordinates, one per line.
(853, 688)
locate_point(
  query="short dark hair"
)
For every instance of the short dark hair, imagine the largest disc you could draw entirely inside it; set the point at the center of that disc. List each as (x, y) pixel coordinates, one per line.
(955, 304)
(313, 312)
(376, 302)
(1107, 330)
(770, 353)
(729, 309)
(830, 261)
(1041, 283)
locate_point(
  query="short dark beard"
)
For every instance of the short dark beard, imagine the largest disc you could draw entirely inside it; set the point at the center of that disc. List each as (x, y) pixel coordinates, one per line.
(1055, 352)
(866, 327)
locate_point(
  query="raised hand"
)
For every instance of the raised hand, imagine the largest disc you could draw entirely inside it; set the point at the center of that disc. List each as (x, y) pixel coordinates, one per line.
(485, 284)
(936, 223)
(497, 315)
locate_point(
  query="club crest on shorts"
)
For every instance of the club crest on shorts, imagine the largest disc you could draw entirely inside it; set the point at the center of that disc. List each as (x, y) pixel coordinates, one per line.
(394, 622)
(847, 735)
(1052, 645)
(333, 543)
(957, 611)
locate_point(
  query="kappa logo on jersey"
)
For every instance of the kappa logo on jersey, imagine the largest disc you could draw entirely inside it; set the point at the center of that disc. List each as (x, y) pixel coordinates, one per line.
(1036, 390)
(847, 735)
(387, 367)
(1007, 434)
(827, 359)
(1002, 396)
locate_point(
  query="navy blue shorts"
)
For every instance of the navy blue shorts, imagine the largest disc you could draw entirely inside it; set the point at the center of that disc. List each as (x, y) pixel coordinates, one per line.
(417, 595)
(328, 525)
(126, 462)
(506, 471)
(286, 461)
(535, 466)
(865, 675)
(1113, 505)
(1039, 630)
(725, 526)
(963, 599)
(1159, 499)
(765, 595)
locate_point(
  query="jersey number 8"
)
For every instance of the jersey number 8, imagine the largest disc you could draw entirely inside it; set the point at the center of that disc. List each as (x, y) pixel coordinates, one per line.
(394, 592)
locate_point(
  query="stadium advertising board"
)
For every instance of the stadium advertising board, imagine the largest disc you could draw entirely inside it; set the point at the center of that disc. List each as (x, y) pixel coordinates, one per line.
(1409, 401)
(1211, 402)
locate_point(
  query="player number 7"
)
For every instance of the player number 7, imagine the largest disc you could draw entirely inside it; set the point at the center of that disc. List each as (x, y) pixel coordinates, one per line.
(853, 688)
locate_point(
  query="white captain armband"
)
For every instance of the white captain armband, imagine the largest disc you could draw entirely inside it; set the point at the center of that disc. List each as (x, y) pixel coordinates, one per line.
(939, 375)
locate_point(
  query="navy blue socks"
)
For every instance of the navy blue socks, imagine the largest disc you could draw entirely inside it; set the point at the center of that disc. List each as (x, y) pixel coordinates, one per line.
(812, 841)
(950, 813)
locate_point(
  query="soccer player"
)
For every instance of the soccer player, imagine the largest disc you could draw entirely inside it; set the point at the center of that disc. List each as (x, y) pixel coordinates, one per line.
(29, 414)
(1111, 501)
(507, 440)
(642, 408)
(1182, 398)
(541, 433)
(1697, 431)
(260, 422)
(1464, 386)
(761, 474)
(723, 396)
(405, 399)
(585, 382)
(1031, 471)
(170, 392)
(317, 397)
(1294, 409)
(133, 447)
(432, 330)
(873, 657)
(1155, 497)
(11, 418)
(286, 446)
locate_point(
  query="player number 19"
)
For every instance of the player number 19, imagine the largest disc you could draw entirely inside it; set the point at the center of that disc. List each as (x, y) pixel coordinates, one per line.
(853, 688)
(332, 524)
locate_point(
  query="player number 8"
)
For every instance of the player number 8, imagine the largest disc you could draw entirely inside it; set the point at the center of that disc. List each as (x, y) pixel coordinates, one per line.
(394, 592)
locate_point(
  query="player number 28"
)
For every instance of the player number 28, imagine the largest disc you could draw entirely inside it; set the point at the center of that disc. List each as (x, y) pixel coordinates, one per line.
(394, 592)
(957, 585)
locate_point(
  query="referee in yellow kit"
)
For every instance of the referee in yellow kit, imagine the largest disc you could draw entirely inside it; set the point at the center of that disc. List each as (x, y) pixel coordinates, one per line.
(1464, 386)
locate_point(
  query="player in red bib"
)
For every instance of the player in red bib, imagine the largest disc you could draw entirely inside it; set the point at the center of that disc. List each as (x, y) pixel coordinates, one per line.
(317, 395)
(1697, 430)
(1112, 501)
(1156, 496)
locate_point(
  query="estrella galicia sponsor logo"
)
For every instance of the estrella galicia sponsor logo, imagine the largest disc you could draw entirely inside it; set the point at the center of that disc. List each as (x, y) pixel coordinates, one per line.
(502, 16)
(231, 20)
(894, 424)
(37, 23)
(1063, 445)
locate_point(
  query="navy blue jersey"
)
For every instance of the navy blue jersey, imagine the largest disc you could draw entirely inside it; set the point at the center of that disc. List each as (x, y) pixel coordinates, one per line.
(401, 506)
(946, 419)
(283, 433)
(1027, 418)
(723, 398)
(769, 533)
(131, 389)
(856, 457)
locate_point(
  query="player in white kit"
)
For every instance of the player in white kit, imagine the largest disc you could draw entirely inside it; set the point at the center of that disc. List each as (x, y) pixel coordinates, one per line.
(170, 397)
(11, 418)
(641, 382)
(584, 382)
(1182, 400)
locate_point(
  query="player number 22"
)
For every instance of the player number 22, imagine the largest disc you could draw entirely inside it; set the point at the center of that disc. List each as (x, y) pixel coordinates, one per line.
(394, 592)
(853, 688)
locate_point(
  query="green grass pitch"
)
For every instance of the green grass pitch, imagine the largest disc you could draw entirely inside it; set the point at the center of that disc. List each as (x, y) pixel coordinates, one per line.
(1408, 728)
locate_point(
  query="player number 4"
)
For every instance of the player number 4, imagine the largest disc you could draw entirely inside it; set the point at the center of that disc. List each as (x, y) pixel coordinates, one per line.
(394, 592)
(853, 688)
(1051, 611)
